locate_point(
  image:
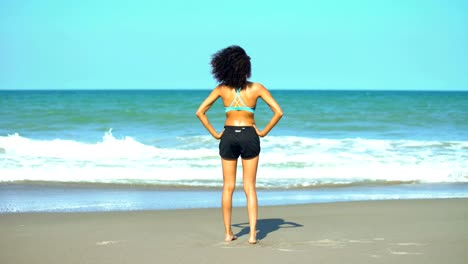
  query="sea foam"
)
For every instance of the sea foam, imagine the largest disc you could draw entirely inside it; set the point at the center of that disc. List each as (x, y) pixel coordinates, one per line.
(285, 161)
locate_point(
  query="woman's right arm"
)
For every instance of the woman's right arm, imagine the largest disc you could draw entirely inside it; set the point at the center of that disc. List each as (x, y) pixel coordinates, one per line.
(204, 107)
(274, 106)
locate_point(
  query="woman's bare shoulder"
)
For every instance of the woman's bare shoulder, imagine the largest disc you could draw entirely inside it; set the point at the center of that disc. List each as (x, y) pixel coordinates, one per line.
(222, 89)
(257, 88)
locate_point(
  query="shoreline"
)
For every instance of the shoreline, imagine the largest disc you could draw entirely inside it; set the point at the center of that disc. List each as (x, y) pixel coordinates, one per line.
(393, 231)
(18, 198)
(162, 186)
(21, 198)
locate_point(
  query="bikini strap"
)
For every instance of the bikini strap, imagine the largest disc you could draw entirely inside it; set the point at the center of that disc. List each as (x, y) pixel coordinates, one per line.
(238, 99)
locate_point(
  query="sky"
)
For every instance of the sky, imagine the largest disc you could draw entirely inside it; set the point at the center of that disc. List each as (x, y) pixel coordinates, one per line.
(167, 44)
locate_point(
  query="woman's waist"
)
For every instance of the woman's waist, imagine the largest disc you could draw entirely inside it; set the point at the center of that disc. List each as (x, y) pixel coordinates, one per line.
(237, 127)
(239, 122)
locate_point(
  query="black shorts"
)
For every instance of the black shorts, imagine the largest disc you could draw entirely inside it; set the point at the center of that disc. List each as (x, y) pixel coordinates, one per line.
(239, 141)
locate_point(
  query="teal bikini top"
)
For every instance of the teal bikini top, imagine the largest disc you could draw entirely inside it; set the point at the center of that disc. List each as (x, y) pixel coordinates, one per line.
(238, 104)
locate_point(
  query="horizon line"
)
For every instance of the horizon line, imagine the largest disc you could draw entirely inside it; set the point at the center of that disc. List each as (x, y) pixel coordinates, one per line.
(209, 89)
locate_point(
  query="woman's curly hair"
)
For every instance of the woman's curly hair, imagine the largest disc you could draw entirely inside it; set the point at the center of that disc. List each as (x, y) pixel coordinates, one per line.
(231, 66)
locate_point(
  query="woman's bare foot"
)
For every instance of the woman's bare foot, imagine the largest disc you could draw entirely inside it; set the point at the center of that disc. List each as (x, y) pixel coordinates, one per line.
(230, 237)
(252, 240)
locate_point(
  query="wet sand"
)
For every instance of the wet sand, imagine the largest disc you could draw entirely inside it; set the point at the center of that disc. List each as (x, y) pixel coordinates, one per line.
(403, 231)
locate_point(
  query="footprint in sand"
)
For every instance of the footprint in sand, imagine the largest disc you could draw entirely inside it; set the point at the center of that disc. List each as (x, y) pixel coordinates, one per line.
(360, 241)
(403, 252)
(409, 244)
(328, 243)
(406, 244)
(108, 242)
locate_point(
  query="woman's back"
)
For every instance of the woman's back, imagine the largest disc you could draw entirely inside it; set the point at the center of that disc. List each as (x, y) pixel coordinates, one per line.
(244, 99)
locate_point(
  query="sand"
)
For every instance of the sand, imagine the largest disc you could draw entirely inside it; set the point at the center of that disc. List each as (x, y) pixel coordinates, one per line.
(403, 231)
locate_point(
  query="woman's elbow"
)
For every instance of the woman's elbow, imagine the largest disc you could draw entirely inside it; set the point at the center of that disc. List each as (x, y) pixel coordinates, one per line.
(279, 113)
(199, 113)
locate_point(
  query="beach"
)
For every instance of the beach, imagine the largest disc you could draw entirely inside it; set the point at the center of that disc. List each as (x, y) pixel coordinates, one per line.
(152, 137)
(131, 176)
(395, 231)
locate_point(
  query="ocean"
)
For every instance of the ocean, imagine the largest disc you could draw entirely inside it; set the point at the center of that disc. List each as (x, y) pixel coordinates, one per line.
(104, 150)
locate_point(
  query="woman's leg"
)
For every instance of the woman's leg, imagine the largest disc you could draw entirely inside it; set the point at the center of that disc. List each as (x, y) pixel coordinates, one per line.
(249, 167)
(229, 184)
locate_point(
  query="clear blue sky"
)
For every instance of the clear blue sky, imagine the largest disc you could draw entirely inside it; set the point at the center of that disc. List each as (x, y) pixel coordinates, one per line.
(327, 44)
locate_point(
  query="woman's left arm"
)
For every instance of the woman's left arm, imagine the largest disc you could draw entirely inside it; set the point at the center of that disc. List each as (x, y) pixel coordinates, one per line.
(275, 108)
(204, 107)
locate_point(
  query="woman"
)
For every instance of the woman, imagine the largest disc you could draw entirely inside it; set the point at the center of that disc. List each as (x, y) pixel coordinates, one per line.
(240, 137)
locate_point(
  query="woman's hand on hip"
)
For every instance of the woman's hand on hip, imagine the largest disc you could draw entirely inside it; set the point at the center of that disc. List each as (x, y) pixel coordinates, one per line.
(219, 135)
(259, 133)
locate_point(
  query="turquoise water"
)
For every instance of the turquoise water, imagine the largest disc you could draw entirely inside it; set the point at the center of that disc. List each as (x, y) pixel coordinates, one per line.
(152, 138)
(86, 115)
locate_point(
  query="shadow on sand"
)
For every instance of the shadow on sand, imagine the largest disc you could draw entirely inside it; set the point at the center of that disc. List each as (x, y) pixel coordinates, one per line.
(265, 227)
